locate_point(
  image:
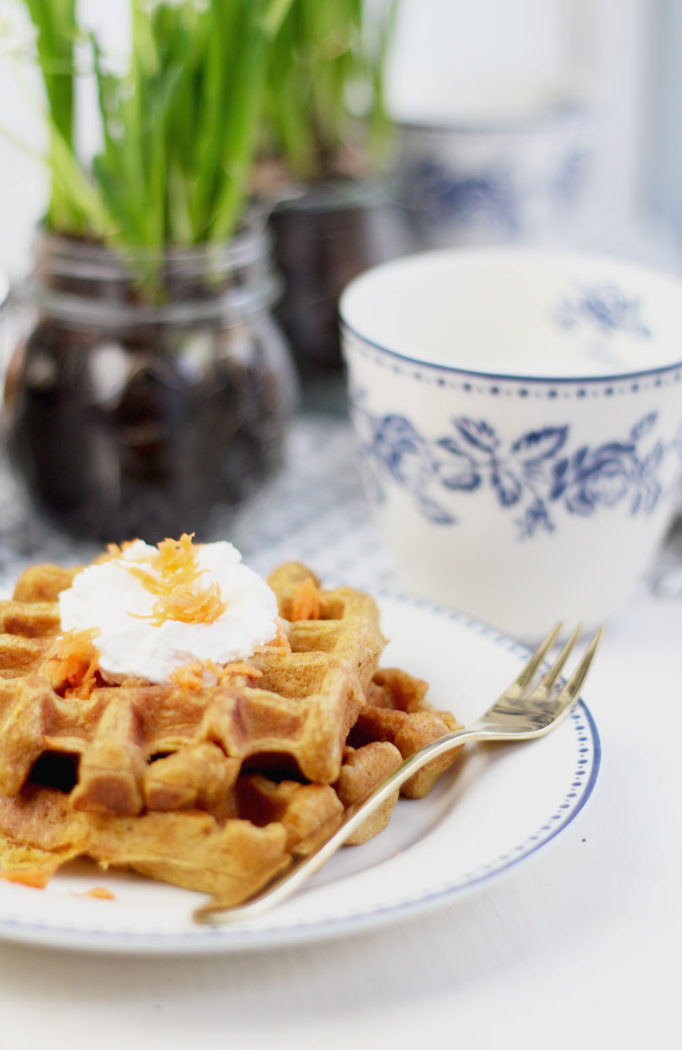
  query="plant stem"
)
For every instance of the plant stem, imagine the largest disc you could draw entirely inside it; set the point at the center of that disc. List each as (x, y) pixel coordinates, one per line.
(180, 127)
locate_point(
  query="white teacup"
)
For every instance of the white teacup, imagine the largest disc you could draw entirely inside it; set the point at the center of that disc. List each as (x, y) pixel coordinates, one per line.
(504, 182)
(520, 419)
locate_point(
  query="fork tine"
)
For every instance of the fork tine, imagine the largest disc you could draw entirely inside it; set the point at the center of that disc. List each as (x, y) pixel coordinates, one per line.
(572, 687)
(538, 656)
(557, 667)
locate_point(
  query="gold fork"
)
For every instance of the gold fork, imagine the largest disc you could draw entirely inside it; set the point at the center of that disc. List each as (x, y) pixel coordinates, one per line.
(524, 711)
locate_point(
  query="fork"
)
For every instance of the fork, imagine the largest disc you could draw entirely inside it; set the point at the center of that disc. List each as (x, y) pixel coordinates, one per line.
(524, 711)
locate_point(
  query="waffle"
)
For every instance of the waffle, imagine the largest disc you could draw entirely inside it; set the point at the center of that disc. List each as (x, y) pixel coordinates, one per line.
(213, 789)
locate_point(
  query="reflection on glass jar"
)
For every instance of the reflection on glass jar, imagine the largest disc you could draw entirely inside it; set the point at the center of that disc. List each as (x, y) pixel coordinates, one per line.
(147, 395)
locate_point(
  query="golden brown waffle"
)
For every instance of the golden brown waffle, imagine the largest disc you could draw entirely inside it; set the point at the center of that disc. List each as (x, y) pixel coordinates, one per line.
(212, 789)
(397, 712)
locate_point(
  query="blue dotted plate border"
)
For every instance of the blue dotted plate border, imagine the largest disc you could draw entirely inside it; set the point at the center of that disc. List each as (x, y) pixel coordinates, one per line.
(241, 938)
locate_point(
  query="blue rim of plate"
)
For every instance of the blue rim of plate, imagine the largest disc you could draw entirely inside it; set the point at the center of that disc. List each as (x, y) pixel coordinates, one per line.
(241, 938)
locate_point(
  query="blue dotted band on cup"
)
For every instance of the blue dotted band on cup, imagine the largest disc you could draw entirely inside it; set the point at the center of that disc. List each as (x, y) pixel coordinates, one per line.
(474, 382)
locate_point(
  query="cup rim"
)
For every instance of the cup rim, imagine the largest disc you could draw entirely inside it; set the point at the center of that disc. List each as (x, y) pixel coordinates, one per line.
(541, 256)
(563, 113)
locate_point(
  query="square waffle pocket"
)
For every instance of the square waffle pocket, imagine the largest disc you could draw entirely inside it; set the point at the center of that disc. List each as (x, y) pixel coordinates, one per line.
(214, 788)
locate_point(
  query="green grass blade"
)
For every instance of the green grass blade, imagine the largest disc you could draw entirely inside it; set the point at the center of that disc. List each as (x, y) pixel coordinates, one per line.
(206, 84)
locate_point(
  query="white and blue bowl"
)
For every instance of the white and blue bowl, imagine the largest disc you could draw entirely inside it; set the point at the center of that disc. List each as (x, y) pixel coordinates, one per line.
(525, 180)
(519, 414)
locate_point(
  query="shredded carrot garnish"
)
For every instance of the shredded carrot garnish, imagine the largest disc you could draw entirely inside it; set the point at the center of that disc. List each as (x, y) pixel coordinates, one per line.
(114, 550)
(73, 662)
(237, 668)
(189, 676)
(199, 673)
(174, 579)
(203, 606)
(307, 601)
(37, 878)
(100, 893)
(281, 639)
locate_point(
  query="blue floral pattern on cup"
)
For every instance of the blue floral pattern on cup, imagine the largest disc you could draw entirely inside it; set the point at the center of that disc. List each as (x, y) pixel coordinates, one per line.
(539, 474)
(437, 195)
(606, 308)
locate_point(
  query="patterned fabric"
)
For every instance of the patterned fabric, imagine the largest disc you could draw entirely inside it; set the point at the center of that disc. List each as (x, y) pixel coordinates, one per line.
(314, 512)
(301, 516)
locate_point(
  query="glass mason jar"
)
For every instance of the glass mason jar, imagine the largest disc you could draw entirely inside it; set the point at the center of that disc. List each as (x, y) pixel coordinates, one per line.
(147, 397)
(323, 237)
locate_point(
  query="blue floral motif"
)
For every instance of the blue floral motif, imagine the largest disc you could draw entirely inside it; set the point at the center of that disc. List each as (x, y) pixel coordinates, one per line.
(537, 474)
(441, 195)
(605, 307)
(395, 446)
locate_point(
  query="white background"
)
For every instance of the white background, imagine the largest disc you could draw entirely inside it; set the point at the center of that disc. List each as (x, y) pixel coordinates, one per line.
(608, 48)
(578, 949)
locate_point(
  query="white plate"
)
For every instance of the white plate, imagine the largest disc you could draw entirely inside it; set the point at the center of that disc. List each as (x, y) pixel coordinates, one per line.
(495, 808)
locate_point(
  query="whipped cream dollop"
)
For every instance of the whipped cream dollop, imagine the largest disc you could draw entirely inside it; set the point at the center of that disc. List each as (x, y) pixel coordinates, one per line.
(119, 599)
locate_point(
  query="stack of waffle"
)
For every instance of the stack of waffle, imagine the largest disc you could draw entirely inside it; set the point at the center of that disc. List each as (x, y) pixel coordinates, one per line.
(213, 789)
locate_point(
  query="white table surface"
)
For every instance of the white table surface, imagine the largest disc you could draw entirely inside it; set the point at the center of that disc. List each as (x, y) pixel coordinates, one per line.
(578, 946)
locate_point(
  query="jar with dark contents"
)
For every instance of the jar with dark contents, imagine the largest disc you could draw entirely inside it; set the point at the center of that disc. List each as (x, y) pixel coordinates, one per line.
(148, 394)
(323, 237)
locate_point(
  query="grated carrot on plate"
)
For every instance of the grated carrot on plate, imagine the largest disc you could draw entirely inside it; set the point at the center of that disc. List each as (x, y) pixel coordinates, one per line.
(100, 893)
(36, 878)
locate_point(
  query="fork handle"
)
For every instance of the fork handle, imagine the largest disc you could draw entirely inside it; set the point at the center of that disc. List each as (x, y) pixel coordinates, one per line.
(278, 889)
